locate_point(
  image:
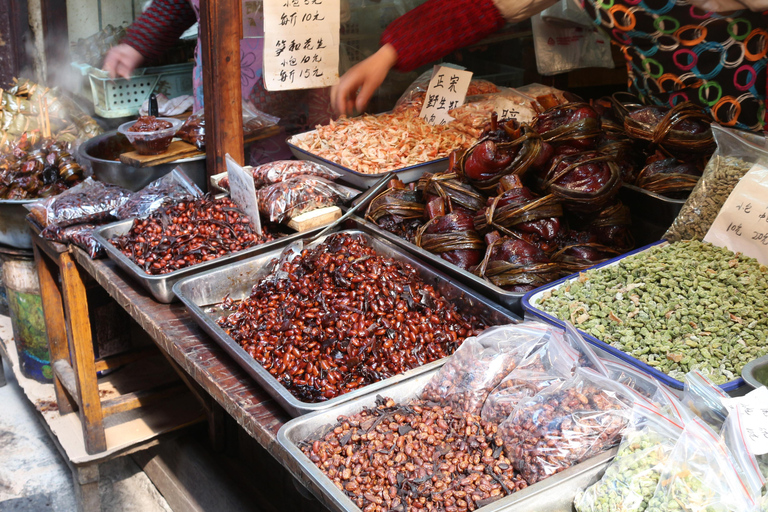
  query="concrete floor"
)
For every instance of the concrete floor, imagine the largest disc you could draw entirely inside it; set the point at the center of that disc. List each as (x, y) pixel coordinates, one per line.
(34, 477)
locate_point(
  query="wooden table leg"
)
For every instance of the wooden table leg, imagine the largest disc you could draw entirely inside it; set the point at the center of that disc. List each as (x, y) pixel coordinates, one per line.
(81, 349)
(55, 326)
(86, 482)
(3, 382)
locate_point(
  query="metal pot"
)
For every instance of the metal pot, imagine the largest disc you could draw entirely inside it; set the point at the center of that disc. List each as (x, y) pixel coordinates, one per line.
(14, 230)
(101, 155)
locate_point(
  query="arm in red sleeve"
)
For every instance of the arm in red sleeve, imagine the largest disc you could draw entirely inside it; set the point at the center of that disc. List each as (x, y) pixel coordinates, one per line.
(438, 27)
(159, 27)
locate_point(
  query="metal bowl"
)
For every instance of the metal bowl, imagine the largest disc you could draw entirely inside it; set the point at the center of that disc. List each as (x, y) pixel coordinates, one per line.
(101, 156)
(755, 372)
(14, 230)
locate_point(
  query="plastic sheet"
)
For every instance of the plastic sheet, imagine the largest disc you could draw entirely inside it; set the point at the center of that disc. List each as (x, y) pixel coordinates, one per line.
(89, 202)
(170, 188)
(291, 198)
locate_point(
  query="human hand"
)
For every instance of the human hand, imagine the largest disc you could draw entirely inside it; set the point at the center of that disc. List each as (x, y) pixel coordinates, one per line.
(356, 87)
(730, 5)
(121, 60)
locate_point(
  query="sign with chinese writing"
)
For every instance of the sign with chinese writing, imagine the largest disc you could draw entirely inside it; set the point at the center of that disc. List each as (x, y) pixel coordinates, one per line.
(253, 19)
(301, 44)
(447, 90)
(742, 224)
(753, 418)
(243, 191)
(505, 109)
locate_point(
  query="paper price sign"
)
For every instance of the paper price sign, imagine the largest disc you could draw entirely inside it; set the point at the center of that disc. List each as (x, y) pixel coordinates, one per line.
(505, 109)
(301, 44)
(752, 410)
(243, 192)
(447, 90)
(742, 224)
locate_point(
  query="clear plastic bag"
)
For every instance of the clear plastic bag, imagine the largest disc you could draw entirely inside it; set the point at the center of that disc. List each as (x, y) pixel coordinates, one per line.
(740, 440)
(413, 97)
(734, 157)
(193, 129)
(705, 399)
(174, 186)
(89, 202)
(291, 198)
(550, 364)
(565, 424)
(481, 363)
(631, 479)
(281, 170)
(700, 476)
(584, 47)
(80, 235)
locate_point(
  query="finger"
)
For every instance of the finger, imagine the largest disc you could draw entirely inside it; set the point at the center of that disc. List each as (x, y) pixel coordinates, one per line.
(365, 93)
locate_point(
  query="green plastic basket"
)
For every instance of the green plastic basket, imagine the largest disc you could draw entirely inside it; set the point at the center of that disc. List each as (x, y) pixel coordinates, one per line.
(123, 97)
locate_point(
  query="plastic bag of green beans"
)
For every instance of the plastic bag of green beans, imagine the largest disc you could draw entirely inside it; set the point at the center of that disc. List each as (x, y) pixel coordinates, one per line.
(736, 153)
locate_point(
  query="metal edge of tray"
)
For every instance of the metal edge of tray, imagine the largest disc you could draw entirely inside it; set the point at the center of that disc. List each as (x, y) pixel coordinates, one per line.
(191, 290)
(405, 174)
(748, 372)
(540, 314)
(14, 230)
(539, 497)
(161, 286)
(510, 300)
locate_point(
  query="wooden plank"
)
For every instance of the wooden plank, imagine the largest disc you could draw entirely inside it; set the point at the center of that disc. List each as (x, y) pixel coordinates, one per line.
(66, 376)
(112, 362)
(136, 399)
(315, 218)
(53, 312)
(221, 29)
(79, 333)
(176, 151)
(56, 37)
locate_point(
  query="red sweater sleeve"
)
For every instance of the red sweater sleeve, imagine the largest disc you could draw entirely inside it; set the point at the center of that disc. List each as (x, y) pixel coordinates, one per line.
(437, 27)
(159, 27)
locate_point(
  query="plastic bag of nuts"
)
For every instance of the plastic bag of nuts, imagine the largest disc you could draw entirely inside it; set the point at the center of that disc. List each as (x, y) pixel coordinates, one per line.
(89, 202)
(292, 197)
(550, 364)
(565, 424)
(173, 187)
(631, 479)
(80, 234)
(481, 363)
(701, 474)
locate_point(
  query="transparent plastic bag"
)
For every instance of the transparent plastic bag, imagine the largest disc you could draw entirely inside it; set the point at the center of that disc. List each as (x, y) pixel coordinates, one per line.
(550, 364)
(475, 114)
(80, 235)
(700, 476)
(89, 202)
(173, 187)
(633, 475)
(734, 157)
(413, 97)
(291, 198)
(480, 363)
(193, 129)
(584, 47)
(705, 399)
(742, 440)
(565, 424)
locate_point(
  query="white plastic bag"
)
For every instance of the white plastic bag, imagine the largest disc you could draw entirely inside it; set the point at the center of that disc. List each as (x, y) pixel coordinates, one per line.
(560, 49)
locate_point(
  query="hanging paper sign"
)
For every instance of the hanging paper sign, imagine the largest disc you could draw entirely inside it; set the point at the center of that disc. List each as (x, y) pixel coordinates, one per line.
(253, 19)
(742, 224)
(447, 90)
(753, 418)
(301, 44)
(243, 192)
(506, 109)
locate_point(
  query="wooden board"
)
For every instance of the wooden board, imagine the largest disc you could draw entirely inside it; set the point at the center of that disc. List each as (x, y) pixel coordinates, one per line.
(176, 151)
(315, 218)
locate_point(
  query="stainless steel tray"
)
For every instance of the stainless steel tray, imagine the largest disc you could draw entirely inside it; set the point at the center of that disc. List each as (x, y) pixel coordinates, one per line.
(14, 230)
(555, 494)
(755, 372)
(236, 280)
(160, 286)
(510, 300)
(364, 181)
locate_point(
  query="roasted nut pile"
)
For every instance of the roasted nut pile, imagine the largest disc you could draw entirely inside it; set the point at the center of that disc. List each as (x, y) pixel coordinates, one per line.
(553, 431)
(414, 457)
(186, 233)
(339, 317)
(680, 307)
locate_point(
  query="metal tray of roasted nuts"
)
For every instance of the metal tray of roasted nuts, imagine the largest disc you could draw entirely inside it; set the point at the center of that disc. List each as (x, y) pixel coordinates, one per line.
(161, 285)
(235, 281)
(532, 311)
(510, 300)
(554, 494)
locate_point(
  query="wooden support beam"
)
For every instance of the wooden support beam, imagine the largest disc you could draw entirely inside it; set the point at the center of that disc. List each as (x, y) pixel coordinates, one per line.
(130, 401)
(221, 28)
(112, 362)
(63, 373)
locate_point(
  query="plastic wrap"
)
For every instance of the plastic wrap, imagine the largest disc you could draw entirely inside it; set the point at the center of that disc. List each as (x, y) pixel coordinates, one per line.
(414, 95)
(89, 202)
(170, 188)
(733, 158)
(550, 364)
(80, 235)
(481, 363)
(565, 424)
(705, 399)
(631, 479)
(281, 170)
(291, 198)
(700, 476)
(193, 129)
(740, 440)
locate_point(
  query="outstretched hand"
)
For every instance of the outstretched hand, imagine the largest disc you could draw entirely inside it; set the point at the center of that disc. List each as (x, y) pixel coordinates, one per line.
(121, 60)
(357, 86)
(730, 5)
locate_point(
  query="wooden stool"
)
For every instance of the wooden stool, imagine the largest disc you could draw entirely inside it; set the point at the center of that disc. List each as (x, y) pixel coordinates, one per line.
(65, 305)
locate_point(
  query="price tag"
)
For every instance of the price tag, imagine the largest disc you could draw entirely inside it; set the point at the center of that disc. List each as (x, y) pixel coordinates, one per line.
(301, 44)
(447, 90)
(742, 224)
(753, 416)
(243, 191)
(505, 108)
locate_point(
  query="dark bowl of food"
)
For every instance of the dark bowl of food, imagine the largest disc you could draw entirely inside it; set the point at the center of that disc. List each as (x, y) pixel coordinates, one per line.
(151, 135)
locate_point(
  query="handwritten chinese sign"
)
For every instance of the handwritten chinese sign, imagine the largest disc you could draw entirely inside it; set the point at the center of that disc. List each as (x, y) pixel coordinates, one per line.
(447, 90)
(301, 43)
(753, 418)
(742, 224)
(506, 109)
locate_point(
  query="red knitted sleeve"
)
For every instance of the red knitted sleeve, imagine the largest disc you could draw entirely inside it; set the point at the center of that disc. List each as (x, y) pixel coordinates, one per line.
(159, 27)
(438, 27)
